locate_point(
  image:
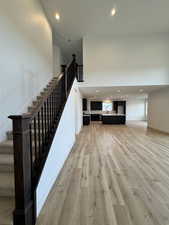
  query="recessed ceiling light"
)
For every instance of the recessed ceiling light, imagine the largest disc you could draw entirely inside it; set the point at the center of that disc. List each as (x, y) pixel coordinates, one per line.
(57, 16)
(97, 91)
(141, 90)
(113, 11)
(118, 90)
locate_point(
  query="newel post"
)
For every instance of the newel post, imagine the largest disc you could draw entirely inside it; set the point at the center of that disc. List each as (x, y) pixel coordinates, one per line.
(64, 82)
(75, 66)
(74, 57)
(24, 213)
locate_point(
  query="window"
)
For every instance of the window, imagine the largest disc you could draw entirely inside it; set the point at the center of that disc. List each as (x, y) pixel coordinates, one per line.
(107, 106)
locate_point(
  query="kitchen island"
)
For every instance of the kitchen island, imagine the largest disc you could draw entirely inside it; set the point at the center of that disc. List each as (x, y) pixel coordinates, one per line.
(113, 119)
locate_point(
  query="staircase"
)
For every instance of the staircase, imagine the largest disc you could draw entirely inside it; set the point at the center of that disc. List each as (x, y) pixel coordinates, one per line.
(24, 161)
(7, 167)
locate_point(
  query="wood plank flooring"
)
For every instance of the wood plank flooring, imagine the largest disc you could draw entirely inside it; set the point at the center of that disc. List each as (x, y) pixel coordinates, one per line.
(115, 175)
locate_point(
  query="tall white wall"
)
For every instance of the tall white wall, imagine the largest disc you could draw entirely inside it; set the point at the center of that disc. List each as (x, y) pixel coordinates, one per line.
(136, 109)
(70, 125)
(57, 59)
(158, 110)
(126, 61)
(26, 61)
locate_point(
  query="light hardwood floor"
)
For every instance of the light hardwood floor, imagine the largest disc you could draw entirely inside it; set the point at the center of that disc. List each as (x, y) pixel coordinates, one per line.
(115, 175)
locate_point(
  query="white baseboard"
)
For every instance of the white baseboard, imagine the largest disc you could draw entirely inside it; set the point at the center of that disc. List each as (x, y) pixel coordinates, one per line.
(158, 130)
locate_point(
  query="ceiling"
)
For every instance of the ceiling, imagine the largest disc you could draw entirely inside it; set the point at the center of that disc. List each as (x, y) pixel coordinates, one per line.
(81, 18)
(102, 93)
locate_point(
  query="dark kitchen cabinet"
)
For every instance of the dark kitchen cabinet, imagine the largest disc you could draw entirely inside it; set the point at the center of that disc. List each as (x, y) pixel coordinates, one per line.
(84, 104)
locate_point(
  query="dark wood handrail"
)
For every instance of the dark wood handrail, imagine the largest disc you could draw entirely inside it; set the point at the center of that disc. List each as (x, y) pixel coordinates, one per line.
(33, 134)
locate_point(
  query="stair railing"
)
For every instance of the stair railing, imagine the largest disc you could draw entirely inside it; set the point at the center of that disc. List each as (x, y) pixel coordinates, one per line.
(80, 73)
(33, 134)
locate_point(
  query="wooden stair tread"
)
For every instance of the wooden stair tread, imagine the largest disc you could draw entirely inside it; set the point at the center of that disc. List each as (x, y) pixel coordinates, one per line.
(6, 162)
(6, 210)
(6, 158)
(6, 184)
(6, 147)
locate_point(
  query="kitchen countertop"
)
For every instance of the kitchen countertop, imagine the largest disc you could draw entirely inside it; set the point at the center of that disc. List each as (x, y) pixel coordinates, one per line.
(113, 115)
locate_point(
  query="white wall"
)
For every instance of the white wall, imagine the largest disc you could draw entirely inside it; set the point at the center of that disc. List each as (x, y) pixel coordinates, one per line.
(135, 109)
(137, 60)
(158, 110)
(70, 124)
(78, 109)
(57, 59)
(26, 56)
